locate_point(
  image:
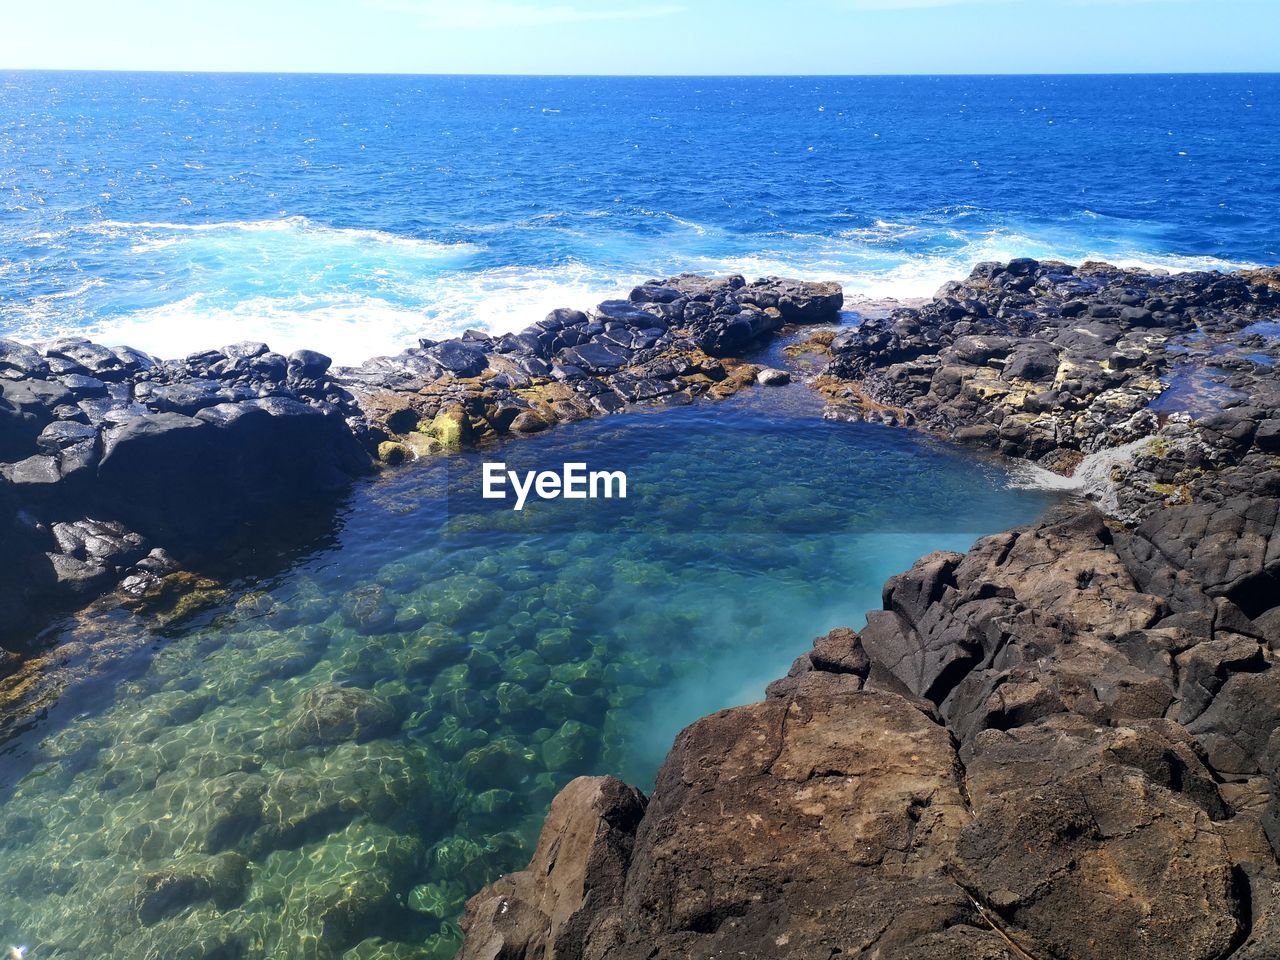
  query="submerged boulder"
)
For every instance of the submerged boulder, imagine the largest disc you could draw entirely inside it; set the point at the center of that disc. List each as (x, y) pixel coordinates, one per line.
(329, 714)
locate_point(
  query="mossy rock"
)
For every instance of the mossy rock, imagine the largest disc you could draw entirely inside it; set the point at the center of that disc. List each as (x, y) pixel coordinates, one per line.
(421, 445)
(559, 703)
(452, 740)
(580, 676)
(528, 670)
(392, 453)
(440, 900)
(462, 597)
(515, 702)
(451, 427)
(559, 645)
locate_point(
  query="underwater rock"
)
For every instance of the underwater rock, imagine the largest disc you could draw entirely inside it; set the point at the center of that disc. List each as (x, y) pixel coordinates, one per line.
(366, 610)
(330, 714)
(376, 948)
(229, 811)
(502, 761)
(571, 748)
(350, 888)
(221, 880)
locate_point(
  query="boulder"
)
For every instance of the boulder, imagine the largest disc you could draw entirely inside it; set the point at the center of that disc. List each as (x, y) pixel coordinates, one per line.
(573, 887)
(332, 714)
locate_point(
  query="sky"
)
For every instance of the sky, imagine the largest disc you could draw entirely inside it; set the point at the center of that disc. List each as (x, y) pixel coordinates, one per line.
(644, 37)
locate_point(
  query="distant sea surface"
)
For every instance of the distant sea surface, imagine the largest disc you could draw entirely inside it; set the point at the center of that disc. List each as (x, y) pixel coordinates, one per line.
(354, 214)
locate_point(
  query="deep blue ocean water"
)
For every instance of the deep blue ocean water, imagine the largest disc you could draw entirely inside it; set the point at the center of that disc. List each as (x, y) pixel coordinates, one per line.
(353, 214)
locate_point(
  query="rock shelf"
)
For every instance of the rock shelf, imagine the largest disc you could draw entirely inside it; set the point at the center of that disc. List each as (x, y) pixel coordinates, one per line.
(1060, 744)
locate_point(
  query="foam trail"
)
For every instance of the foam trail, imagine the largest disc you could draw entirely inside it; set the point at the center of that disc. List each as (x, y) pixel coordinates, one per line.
(356, 292)
(1091, 479)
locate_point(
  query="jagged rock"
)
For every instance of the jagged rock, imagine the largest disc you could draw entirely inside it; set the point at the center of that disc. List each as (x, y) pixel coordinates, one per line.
(1089, 705)
(573, 884)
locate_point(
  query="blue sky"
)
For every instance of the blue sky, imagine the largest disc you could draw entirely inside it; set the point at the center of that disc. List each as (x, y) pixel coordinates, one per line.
(646, 36)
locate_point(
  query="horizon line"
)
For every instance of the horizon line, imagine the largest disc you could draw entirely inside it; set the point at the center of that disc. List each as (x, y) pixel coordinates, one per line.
(639, 76)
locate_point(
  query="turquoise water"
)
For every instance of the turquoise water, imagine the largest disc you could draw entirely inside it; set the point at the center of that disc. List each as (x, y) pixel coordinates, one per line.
(345, 750)
(354, 214)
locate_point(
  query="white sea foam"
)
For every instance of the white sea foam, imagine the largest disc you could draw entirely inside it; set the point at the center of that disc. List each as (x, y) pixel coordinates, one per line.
(1091, 479)
(351, 328)
(355, 292)
(282, 225)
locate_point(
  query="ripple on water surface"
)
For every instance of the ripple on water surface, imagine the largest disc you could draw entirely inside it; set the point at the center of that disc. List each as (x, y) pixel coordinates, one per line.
(334, 760)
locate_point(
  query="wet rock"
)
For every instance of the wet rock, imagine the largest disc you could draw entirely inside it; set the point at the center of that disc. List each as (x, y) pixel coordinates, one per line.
(574, 883)
(460, 359)
(528, 422)
(86, 358)
(221, 880)
(329, 714)
(307, 365)
(451, 427)
(770, 377)
(19, 361)
(595, 357)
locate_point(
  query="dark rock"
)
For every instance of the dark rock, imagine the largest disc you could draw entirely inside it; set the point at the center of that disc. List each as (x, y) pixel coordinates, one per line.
(308, 365)
(34, 471)
(1032, 360)
(463, 360)
(81, 386)
(86, 358)
(595, 357)
(246, 350)
(19, 361)
(187, 397)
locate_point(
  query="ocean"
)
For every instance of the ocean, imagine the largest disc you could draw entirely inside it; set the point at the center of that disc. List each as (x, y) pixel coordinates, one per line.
(353, 214)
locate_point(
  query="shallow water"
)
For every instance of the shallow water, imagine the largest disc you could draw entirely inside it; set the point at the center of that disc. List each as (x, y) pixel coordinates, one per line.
(347, 750)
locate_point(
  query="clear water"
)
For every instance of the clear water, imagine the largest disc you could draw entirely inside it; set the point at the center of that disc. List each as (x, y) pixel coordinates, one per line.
(354, 214)
(507, 651)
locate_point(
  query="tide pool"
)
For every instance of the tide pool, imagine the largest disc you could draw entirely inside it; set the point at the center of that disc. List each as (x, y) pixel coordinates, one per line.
(328, 761)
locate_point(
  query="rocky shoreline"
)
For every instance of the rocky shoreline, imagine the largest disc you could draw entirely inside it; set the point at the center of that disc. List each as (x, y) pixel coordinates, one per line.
(1061, 744)
(122, 471)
